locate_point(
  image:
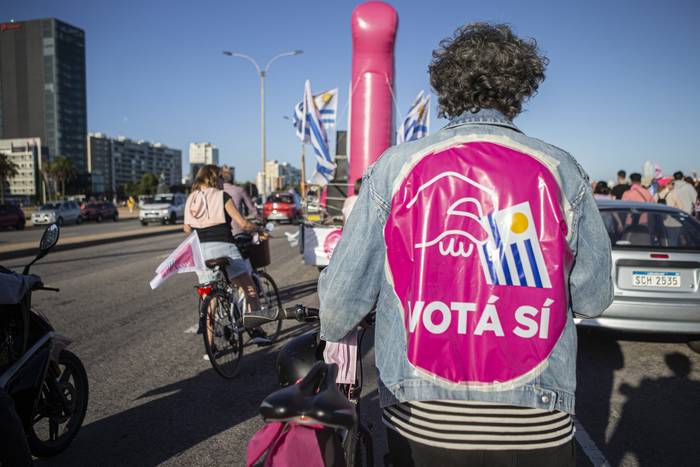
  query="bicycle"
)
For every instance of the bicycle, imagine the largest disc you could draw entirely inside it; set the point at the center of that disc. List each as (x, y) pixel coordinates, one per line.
(311, 396)
(221, 308)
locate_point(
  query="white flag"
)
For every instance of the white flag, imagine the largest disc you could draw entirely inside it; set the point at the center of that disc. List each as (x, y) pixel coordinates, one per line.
(318, 138)
(187, 257)
(327, 105)
(417, 121)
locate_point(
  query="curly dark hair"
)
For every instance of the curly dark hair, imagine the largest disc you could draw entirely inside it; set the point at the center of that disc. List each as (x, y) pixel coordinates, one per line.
(485, 66)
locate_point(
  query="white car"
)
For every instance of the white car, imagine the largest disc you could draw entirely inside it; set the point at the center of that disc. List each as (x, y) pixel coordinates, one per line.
(60, 212)
(165, 208)
(655, 270)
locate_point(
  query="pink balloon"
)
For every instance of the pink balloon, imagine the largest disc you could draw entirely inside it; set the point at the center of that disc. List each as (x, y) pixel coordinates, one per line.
(374, 27)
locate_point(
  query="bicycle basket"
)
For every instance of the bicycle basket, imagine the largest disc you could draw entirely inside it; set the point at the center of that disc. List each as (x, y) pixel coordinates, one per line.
(259, 255)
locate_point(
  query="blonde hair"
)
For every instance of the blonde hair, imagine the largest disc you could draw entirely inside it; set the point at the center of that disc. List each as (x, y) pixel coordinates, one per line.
(207, 177)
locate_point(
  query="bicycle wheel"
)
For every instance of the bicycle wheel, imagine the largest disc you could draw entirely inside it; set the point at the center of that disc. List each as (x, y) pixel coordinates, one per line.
(222, 337)
(269, 297)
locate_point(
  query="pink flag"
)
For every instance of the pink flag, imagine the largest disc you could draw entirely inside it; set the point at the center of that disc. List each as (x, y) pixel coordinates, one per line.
(187, 257)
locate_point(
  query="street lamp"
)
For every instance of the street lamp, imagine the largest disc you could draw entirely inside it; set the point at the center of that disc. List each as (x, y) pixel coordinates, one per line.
(262, 72)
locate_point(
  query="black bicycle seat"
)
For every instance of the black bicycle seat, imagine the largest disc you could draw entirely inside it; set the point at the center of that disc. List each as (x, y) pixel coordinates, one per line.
(212, 263)
(315, 399)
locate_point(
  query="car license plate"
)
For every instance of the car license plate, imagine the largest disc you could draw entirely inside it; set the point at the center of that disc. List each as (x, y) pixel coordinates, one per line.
(656, 279)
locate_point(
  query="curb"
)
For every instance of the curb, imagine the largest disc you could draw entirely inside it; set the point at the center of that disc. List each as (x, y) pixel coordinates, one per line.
(99, 241)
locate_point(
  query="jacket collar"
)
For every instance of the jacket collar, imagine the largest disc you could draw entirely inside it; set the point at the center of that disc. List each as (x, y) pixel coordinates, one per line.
(483, 116)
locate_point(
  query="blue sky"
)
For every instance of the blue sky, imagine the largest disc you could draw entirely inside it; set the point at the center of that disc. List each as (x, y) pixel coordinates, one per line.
(621, 86)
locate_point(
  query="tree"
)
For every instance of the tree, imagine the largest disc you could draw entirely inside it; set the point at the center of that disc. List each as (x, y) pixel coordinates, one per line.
(8, 169)
(148, 185)
(62, 168)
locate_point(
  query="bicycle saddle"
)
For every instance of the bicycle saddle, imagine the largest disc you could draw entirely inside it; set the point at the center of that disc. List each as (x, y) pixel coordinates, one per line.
(315, 399)
(212, 263)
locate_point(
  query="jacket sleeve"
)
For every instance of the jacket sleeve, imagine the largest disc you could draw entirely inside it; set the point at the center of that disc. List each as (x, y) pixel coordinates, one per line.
(349, 287)
(590, 282)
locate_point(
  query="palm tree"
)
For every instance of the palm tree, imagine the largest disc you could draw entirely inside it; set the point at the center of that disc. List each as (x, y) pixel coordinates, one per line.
(62, 168)
(47, 175)
(8, 169)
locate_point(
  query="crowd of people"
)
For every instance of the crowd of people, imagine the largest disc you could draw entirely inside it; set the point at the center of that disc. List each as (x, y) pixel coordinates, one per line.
(679, 191)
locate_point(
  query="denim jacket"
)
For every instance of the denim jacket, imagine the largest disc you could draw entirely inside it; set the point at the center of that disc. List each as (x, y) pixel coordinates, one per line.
(356, 280)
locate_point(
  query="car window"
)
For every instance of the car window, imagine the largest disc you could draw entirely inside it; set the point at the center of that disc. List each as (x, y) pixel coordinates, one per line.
(659, 230)
(93, 206)
(280, 199)
(163, 199)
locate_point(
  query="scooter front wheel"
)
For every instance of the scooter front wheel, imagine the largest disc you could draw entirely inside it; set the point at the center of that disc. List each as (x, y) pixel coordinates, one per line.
(61, 407)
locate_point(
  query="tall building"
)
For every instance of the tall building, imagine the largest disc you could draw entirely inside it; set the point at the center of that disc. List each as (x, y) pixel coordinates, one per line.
(100, 163)
(202, 154)
(42, 86)
(279, 176)
(28, 155)
(115, 162)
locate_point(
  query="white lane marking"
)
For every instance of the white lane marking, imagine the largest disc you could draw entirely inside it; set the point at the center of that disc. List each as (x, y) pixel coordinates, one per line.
(192, 329)
(584, 440)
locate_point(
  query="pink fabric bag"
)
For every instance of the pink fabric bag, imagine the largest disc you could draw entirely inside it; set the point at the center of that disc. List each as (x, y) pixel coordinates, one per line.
(343, 354)
(284, 445)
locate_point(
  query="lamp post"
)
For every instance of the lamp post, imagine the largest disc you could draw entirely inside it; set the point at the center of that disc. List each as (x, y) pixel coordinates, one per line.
(262, 72)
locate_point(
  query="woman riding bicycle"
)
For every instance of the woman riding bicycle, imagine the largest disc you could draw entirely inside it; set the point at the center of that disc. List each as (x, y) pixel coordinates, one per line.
(209, 211)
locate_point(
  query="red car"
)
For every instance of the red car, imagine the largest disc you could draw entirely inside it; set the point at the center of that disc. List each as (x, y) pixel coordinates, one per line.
(99, 211)
(11, 216)
(280, 207)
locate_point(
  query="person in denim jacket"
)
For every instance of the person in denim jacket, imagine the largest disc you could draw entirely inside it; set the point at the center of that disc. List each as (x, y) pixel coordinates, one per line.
(476, 246)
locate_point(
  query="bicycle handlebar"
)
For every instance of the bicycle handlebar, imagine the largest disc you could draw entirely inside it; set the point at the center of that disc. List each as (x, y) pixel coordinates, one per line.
(301, 313)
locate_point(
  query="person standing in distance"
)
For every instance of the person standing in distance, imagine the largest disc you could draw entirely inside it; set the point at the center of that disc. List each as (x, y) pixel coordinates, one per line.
(684, 195)
(622, 185)
(460, 381)
(637, 192)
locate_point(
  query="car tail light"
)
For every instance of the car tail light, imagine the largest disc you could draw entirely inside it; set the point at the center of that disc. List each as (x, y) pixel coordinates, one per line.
(203, 291)
(659, 255)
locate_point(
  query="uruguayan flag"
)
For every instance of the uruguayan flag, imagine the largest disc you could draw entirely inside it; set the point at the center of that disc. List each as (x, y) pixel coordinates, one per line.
(298, 122)
(317, 136)
(512, 255)
(327, 105)
(417, 121)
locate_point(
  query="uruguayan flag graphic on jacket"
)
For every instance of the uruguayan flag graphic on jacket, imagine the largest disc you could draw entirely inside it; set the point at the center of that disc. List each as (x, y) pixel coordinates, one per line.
(512, 255)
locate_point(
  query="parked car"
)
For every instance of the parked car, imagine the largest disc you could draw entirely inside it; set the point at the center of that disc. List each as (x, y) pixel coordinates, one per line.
(100, 210)
(59, 212)
(655, 270)
(280, 207)
(11, 216)
(164, 208)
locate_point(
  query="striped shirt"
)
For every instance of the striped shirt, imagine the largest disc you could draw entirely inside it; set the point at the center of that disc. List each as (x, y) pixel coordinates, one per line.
(469, 425)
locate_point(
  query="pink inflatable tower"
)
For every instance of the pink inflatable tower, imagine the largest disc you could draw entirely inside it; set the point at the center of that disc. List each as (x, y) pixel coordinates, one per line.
(374, 27)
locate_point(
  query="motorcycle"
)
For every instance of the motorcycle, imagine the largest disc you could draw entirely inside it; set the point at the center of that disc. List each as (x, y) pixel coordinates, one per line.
(47, 382)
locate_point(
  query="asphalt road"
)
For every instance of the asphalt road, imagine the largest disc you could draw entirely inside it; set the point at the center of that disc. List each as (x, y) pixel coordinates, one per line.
(155, 400)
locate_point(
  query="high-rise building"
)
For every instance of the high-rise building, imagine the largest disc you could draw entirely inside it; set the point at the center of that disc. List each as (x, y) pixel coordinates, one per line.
(100, 163)
(202, 154)
(42, 86)
(28, 155)
(115, 162)
(279, 176)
